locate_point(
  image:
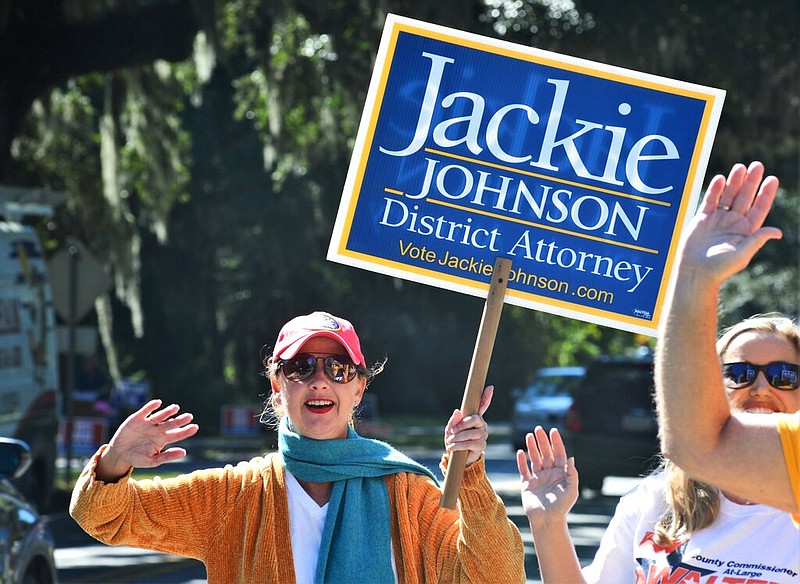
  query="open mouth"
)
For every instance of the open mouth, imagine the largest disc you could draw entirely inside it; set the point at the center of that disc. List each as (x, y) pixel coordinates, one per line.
(319, 406)
(760, 410)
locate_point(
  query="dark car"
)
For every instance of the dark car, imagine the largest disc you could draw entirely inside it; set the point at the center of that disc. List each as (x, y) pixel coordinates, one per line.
(544, 402)
(26, 545)
(611, 427)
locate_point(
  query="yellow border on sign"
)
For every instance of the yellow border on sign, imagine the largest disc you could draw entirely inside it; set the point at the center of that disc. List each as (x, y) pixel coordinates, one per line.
(397, 25)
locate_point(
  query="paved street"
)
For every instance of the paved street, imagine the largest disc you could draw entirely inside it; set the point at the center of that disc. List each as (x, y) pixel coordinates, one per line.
(80, 559)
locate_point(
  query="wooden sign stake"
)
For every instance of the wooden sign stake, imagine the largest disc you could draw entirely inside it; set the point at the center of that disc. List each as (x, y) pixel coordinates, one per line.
(477, 373)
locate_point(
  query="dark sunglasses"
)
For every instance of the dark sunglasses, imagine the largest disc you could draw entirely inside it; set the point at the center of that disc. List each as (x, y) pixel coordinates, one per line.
(340, 369)
(779, 374)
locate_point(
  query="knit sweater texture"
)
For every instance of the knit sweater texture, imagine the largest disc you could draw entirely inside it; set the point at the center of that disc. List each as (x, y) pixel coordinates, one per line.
(236, 521)
(789, 430)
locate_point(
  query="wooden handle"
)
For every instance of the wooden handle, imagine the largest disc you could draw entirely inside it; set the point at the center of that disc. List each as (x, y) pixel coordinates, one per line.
(476, 379)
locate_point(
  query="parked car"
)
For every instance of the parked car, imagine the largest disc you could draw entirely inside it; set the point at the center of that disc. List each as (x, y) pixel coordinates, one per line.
(611, 427)
(544, 402)
(26, 544)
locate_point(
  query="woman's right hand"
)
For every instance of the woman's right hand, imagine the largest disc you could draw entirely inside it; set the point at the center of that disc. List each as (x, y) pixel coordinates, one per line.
(728, 228)
(141, 439)
(549, 484)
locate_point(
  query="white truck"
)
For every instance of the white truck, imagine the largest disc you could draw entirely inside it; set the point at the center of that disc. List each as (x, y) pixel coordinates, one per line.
(29, 376)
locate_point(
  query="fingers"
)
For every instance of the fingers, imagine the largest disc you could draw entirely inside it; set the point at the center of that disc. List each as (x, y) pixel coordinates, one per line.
(454, 419)
(559, 451)
(168, 424)
(732, 186)
(712, 197)
(160, 416)
(572, 472)
(543, 451)
(486, 399)
(147, 409)
(172, 428)
(182, 430)
(169, 455)
(744, 190)
(167, 419)
(533, 453)
(469, 433)
(763, 201)
(151, 428)
(459, 423)
(522, 465)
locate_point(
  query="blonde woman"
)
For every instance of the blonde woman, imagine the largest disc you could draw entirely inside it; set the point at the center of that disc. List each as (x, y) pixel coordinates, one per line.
(756, 457)
(672, 528)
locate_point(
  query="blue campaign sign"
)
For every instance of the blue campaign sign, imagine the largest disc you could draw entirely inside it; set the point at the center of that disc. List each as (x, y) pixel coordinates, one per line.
(582, 174)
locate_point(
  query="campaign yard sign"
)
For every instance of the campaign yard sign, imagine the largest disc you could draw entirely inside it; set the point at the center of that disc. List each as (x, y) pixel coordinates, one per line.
(582, 174)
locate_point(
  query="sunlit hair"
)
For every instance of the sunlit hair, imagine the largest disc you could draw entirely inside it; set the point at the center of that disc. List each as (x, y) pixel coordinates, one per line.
(274, 409)
(772, 323)
(694, 505)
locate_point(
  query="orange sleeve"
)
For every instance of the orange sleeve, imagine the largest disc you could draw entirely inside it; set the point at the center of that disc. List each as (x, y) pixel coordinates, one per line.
(789, 430)
(474, 543)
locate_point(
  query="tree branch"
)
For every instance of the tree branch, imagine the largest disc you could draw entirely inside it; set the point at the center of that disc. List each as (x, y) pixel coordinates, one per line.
(40, 47)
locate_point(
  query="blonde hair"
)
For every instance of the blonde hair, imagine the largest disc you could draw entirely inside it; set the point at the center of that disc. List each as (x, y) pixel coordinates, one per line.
(694, 505)
(772, 323)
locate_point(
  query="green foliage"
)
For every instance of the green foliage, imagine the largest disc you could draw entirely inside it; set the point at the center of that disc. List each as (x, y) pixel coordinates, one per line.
(556, 19)
(215, 195)
(771, 284)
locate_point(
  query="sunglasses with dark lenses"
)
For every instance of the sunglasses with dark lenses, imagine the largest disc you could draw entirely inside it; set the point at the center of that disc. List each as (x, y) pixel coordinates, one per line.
(779, 374)
(340, 369)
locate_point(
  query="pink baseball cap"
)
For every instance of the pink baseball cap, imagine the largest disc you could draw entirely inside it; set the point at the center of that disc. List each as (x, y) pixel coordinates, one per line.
(300, 329)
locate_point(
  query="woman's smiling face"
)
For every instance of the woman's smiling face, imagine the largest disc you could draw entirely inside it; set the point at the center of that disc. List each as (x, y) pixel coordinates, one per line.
(319, 407)
(761, 348)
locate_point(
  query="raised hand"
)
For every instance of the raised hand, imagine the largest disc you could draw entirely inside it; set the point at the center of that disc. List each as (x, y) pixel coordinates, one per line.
(727, 231)
(549, 484)
(141, 439)
(471, 432)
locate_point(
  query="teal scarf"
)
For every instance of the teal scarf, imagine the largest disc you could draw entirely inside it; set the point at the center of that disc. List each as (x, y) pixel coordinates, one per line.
(356, 540)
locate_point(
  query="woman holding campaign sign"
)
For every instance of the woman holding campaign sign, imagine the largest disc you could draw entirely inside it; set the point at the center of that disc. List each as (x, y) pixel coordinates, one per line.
(329, 507)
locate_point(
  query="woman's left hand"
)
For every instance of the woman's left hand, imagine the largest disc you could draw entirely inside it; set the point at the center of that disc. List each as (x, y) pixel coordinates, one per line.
(549, 484)
(469, 433)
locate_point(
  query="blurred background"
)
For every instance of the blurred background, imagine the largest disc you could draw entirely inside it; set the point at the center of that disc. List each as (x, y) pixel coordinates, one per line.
(201, 147)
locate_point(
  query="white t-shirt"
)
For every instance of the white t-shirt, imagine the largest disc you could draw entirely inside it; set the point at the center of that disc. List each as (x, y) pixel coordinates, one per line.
(745, 544)
(306, 523)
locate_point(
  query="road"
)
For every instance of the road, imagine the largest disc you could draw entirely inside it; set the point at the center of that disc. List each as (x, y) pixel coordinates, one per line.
(80, 559)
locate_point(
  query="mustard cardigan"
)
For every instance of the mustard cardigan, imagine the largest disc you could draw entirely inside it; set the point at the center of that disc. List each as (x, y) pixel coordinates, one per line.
(236, 521)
